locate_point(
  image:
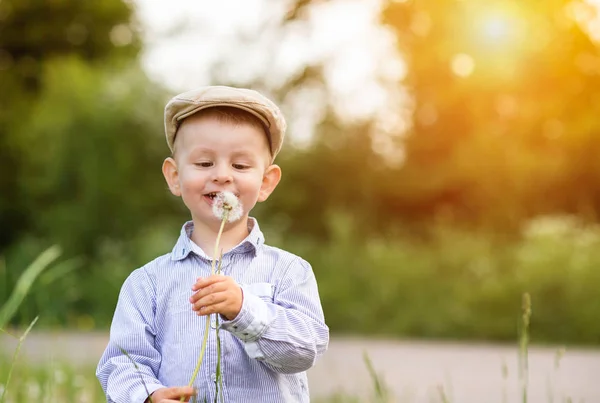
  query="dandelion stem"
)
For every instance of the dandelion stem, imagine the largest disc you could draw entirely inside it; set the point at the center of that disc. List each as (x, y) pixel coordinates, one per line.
(223, 221)
(219, 369)
(208, 318)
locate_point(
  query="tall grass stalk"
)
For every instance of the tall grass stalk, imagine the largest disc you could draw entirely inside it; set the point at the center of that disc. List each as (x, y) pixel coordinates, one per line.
(505, 380)
(554, 378)
(14, 359)
(25, 281)
(381, 392)
(443, 396)
(524, 345)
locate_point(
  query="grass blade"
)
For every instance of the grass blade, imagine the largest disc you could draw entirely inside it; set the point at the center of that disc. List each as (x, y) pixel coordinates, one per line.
(138, 371)
(380, 389)
(14, 359)
(24, 283)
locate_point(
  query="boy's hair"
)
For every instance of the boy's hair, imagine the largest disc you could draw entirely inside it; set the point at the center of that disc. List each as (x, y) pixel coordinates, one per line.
(234, 116)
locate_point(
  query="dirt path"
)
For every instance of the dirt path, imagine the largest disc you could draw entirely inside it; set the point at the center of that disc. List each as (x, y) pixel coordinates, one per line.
(414, 371)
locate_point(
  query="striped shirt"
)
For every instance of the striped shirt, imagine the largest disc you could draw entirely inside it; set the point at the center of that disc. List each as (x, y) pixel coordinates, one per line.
(277, 336)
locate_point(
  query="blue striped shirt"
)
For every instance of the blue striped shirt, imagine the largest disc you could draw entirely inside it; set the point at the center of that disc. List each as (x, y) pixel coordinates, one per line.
(277, 336)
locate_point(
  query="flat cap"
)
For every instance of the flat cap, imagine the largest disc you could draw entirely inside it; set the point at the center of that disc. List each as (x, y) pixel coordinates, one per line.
(186, 104)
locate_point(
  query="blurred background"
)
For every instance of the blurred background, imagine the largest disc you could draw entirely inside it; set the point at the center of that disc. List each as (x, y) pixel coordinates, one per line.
(442, 157)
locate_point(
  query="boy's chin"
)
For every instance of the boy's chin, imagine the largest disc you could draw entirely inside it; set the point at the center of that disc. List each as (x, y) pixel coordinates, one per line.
(214, 222)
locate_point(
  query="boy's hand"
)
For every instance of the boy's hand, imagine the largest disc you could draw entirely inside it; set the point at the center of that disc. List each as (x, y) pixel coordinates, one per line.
(168, 395)
(217, 294)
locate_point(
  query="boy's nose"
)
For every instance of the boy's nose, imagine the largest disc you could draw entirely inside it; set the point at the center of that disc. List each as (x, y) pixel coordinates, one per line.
(222, 175)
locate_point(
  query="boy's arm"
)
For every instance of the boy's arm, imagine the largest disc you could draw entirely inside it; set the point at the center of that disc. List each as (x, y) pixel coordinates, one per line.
(290, 333)
(132, 331)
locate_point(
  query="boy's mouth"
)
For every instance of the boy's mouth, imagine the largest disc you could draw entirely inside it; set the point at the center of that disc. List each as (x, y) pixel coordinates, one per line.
(210, 197)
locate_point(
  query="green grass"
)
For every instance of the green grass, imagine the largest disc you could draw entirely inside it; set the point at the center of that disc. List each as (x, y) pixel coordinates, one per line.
(56, 382)
(63, 383)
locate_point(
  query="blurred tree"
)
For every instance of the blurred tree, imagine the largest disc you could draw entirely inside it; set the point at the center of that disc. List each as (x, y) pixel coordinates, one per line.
(505, 106)
(32, 34)
(81, 143)
(32, 31)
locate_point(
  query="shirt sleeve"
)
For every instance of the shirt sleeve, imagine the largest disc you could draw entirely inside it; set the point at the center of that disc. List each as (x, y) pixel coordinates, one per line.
(288, 333)
(128, 367)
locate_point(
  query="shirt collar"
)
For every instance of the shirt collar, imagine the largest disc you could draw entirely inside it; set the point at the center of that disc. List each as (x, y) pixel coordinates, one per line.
(185, 245)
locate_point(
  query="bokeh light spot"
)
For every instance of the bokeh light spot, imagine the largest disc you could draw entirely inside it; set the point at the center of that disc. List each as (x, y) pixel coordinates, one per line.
(121, 35)
(462, 65)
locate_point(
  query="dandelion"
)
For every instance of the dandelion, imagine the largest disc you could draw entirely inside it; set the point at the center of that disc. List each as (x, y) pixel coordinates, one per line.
(227, 207)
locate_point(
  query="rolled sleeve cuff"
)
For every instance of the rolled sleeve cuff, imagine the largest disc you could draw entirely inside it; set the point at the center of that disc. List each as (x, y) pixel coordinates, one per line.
(252, 320)
(250, 324)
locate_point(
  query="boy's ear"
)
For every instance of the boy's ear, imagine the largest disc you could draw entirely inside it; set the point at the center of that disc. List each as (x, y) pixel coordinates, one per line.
(270, 180)
(169, 170)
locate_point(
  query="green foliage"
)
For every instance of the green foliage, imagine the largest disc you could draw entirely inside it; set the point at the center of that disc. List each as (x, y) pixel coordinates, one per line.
(458, 285)
(104, 148)
(89, 173)
(33, 31)
(34, 34)
(454, 285)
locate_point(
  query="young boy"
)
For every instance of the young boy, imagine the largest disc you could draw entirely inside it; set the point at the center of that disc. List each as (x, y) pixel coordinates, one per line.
(222, 139)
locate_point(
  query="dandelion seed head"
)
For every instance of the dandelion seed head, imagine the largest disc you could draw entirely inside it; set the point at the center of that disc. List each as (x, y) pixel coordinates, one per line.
(227, 202)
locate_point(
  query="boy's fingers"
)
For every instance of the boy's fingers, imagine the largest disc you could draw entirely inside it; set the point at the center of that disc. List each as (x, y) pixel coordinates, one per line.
(209, 300)
(202, 282)
(210, 309)
(178, 391)
(208, 290)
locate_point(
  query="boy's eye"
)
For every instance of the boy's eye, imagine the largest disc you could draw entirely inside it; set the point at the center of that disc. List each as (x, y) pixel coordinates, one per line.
(240, 166)
(204, 164)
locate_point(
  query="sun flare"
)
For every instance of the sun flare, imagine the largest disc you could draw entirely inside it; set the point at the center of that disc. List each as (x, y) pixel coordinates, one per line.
(500, 28)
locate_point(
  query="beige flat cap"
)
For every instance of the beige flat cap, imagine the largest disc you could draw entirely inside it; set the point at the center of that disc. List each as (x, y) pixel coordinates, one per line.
(183, 105)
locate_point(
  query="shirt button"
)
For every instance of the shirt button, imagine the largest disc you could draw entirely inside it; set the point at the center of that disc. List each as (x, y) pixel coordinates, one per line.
(213, 324)
(213, 377)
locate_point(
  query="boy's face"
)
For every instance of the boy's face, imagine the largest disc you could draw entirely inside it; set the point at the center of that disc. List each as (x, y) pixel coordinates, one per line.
(212, 156)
